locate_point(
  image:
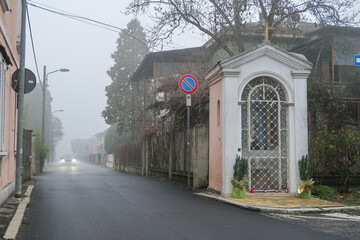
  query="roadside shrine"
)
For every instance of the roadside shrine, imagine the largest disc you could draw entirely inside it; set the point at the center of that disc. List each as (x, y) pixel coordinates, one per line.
(258, 110)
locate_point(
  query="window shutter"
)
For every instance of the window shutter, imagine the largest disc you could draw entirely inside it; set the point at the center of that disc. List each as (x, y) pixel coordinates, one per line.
(19, 21)
(2, 104)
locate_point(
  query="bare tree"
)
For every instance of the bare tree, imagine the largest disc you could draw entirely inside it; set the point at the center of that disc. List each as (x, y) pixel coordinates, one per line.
(171, 100)
(174, 99)
(224, 21)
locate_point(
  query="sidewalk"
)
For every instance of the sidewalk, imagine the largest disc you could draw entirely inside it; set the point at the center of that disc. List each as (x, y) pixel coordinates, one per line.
(12, 212)
(281, 204)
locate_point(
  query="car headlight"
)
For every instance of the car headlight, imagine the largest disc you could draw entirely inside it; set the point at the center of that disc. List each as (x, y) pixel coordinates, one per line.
(62, 160)
(73, 160)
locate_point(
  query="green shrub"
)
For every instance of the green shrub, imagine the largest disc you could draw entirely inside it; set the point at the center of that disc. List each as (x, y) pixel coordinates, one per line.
(352, 191)
(323, 192)
(338, 151)
(240, 168)
(306, 168)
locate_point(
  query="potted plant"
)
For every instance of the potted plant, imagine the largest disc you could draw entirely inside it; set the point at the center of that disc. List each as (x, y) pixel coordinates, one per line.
(238, 181)
(306, 169)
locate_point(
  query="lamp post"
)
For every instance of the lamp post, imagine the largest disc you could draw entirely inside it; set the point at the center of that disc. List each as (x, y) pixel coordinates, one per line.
(20, 121)
(45, 79)
(60, 110)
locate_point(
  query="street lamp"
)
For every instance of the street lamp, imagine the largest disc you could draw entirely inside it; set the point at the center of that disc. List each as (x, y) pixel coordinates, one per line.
(45, 79)
(60, 110)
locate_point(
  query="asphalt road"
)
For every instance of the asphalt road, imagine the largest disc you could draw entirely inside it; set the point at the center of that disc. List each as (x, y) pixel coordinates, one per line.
(340, 224)
(89, 202)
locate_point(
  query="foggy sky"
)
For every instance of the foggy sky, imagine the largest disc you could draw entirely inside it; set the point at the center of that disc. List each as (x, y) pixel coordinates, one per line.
(86, 50)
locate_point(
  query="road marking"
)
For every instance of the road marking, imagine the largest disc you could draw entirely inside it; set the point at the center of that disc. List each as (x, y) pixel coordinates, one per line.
(343, 216)
(325, 216)
(282, 216)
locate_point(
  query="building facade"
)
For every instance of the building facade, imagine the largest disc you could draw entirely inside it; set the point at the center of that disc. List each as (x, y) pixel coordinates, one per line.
(10, 14)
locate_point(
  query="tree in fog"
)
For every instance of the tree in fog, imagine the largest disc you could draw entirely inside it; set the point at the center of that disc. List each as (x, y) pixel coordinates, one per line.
(78, 146)
(113, 139)
(121, 98)
(57, 132)
(225, 21)
(33, 112)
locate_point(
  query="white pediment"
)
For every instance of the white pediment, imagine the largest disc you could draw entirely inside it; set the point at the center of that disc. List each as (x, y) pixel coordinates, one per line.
(292, 60)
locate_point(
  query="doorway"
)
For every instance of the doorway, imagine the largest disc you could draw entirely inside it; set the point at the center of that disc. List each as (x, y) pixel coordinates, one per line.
(265, 134)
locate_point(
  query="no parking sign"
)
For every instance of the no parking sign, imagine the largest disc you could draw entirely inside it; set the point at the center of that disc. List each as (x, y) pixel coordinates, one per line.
(188, 84)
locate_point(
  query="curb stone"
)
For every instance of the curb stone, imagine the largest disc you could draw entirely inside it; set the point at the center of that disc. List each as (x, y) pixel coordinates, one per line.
(14, 226)
(341, 209)
(279, 210)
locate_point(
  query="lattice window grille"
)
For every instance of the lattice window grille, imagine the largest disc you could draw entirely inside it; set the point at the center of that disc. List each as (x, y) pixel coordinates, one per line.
(264, 134)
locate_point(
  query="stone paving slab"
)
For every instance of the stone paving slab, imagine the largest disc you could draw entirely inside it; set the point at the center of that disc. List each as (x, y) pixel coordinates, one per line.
(287, 202)
(284, 205)
(7, 212)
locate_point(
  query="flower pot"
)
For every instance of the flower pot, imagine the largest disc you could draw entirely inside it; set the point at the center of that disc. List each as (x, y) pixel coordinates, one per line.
(305, 189)
(305, 194)
(238, 193)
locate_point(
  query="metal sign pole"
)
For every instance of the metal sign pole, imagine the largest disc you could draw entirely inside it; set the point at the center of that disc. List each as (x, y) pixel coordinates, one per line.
(188, 105)
(188, 84)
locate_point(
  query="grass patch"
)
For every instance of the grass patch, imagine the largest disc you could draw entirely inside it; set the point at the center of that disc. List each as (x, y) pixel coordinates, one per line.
(351, 198)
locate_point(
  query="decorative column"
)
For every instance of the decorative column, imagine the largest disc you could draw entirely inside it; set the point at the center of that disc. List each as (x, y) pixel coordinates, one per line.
(300, 125)
(231, 126)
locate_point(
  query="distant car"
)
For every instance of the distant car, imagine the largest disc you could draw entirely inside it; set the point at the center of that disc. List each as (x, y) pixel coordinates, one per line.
(68, 160)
